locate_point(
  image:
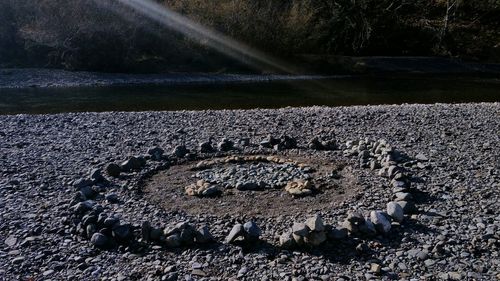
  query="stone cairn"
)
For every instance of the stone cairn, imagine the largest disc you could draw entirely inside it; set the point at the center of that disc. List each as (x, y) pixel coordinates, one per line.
(106, 231)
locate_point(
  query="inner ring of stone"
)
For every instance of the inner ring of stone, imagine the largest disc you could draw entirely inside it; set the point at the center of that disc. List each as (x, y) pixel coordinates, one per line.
(255, 185)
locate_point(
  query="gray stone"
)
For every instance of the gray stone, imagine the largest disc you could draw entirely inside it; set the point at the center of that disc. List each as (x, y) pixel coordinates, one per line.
(88, 192)
(300, 229)
(288, 142)
(375, 268)
(96, 175)
(206, 147)
(173, 241)
(315, 223)
(156, 153)
(18, 260)
(266, 144)
(187, 235)
(100, 240)
(247, 186)
(225, 145)
(113, 170)
(236, 231)
(111, 222)
(403, 196)
(82, 182)
(133, 163)
(395, 211)
(368, 228)
(11, 241)
(122, 233)
(146, 230)
(299, 240)
(155, 234)
(407, 206)
(286, 240)
(382, 224)
(88, 219)
(422, 255)
(355, 217)
(90, 230)
(421, 157)
(364, 154)
(211, 191)
(111, 198)
(242, 272)
(84, 206)
(315, 238)
(393, 170)
(374, 164)
(252, 231)
(400, 184)
(174, 229)
(338, 233)
(180, 151)
(204, 236)
(48, 272)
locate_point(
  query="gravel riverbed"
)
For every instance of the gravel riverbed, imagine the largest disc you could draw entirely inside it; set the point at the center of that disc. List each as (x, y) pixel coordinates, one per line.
(453, 236)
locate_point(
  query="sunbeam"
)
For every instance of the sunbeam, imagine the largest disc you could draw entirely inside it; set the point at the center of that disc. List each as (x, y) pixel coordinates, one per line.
(214, 39)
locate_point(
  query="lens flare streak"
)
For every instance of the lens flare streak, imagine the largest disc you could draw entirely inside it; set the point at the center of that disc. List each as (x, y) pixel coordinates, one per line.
(209, 37)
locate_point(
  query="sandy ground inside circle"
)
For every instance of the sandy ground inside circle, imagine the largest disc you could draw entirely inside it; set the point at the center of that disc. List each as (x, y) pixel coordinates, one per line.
(166, 189)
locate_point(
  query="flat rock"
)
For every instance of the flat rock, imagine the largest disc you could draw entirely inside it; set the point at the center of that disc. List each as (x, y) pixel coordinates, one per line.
(286, 240)
(315, 223)
(300, 229)
(11, 241)
(382, 224)
(395, 211)
(236, 231)
(252, 230)
(100, 240)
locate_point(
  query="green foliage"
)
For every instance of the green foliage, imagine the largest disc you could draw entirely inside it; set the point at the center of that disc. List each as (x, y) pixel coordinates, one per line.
(103, 35)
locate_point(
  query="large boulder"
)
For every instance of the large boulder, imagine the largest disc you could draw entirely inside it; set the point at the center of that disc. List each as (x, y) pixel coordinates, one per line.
(100, 241)
(156, 153)
(113, 170)
(132, 164)
(395, 211)
(381, 222)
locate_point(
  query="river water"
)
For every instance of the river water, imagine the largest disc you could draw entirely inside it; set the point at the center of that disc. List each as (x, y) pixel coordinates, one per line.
(325, 92)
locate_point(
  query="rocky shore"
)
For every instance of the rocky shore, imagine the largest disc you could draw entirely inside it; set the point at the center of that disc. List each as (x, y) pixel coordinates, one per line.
(412, 194)
(16, 78)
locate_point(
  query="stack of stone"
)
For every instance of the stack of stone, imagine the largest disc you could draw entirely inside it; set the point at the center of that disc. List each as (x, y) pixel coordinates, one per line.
(299, 187)
(156, 153)
(378, 222)
(318, 143)
(181, 234)
(401, 188)
(246, 233)
(88, 188)
(310, 233)
(180, 151)
(282, 143)
(373, 154)
(103, 231)
(202, 189)
(134, 163)
(225, 145)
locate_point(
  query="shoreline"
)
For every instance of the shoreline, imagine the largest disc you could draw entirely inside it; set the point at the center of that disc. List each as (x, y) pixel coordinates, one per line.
(332, 67)
(42, 156)
(56, 78)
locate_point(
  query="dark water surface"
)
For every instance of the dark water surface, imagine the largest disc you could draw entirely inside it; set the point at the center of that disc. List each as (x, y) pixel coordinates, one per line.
(334, 92)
